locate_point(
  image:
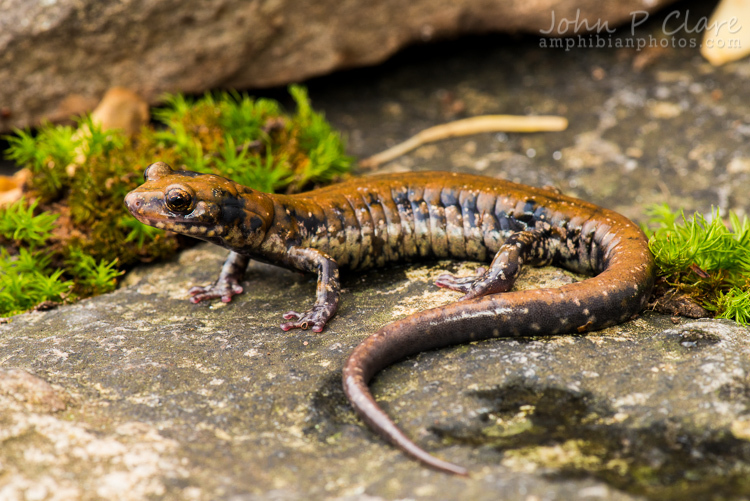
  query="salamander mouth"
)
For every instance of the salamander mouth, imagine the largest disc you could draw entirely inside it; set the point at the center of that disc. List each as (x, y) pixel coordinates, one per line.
(136, 206)
(190, 228)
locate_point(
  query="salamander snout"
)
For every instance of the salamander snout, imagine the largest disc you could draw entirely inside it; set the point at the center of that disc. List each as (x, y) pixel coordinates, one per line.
(133, 202)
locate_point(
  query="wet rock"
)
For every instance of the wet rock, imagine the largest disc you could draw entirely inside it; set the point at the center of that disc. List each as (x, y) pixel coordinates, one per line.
(58, 58)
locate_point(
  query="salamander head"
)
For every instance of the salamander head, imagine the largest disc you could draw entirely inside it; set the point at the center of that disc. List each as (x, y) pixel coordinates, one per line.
(202, 206)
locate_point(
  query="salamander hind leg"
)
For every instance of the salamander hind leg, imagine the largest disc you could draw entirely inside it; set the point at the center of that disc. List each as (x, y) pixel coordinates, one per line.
(228, 283)
(524, 247)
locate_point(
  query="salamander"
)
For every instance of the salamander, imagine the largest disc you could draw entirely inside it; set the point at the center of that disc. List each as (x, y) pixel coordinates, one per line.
(372, 221)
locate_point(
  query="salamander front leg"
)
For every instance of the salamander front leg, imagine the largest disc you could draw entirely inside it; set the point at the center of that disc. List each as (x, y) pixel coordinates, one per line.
(524, 247)
(327, 292)
(228, 283)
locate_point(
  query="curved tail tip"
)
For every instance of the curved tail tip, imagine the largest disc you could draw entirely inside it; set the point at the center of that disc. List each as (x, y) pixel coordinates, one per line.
(458, 470)
(443, 466)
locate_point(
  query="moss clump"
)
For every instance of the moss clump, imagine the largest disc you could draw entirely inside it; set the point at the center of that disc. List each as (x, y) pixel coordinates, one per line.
(82, 235)
(704, 258)
(29, 273)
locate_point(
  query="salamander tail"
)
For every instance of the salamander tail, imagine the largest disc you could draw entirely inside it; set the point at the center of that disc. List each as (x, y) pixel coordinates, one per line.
(355, 387)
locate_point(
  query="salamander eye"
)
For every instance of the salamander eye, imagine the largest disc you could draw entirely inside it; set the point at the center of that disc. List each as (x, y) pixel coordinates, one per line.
(179, 200)
(156, 170)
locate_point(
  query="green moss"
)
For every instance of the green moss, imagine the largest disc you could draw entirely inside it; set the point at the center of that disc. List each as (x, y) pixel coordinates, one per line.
(27, 277)
(704, 258)
(18, 223)
(80, 177)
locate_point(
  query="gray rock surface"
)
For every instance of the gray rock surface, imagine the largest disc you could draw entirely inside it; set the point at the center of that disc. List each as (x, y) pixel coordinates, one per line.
(141, 394)
(57, 58)
(154, 396)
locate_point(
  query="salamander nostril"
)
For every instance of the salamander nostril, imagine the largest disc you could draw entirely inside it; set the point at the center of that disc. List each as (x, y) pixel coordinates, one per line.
(132, 202)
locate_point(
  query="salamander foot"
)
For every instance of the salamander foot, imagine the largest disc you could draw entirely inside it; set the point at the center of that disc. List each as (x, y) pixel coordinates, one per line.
(480, 284)
(224, 289)
(460, 284)
(314, 318)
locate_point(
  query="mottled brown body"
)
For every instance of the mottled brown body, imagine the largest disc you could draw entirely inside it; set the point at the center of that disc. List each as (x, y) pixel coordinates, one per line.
(368, 222)
(371, 221)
